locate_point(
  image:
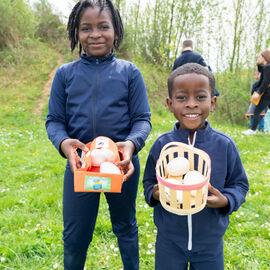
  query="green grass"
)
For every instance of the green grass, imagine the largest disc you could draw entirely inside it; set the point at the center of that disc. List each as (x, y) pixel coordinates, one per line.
(31, 175)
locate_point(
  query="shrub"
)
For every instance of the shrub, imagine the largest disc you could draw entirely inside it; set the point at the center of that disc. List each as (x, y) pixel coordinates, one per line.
(233, 102)
(17, 22)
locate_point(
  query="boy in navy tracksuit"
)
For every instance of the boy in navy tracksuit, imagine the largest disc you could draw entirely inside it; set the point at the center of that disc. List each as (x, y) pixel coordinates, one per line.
(98, 95)
(196, 239)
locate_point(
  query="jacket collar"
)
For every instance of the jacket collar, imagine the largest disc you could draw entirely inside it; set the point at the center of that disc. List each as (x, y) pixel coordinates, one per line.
(186, 51)
(97, 60)
(202, 134)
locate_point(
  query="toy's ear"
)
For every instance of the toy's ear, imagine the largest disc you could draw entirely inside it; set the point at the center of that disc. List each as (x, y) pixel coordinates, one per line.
(169, 103)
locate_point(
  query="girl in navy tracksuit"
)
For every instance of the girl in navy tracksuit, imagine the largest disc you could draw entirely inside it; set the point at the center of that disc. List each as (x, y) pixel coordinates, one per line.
(98, 95)
(196, 239)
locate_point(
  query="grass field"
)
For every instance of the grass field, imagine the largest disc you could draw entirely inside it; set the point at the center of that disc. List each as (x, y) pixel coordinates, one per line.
(31, 174)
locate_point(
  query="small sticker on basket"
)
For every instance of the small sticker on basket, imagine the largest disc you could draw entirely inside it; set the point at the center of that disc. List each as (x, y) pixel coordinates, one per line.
(102, 142)
(93, 183)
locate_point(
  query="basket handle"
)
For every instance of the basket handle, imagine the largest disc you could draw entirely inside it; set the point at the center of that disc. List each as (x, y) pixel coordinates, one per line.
(166, 146)
(194, 149)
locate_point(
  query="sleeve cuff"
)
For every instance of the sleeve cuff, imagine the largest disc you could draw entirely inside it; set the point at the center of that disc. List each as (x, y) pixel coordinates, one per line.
(151, 201)
(57, 145)
(229, 208)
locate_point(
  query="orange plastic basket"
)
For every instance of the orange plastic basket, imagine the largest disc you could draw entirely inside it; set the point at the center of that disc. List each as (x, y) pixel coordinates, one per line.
(91, 180)
(179, 198)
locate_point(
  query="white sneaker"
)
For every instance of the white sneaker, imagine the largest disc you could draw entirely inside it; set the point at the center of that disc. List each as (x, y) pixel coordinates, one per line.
(249, 132)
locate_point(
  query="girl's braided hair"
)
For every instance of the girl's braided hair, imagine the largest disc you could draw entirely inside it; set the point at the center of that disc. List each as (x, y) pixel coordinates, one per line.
(75, 16)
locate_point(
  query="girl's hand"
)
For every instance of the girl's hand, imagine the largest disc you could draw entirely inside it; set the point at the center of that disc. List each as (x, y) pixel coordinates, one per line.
(69, 148)
(126, 150)
(156, 192)
(255, 96)
(216, 198)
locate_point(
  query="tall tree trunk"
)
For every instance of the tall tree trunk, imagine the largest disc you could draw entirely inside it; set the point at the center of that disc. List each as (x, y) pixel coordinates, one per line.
(137, 11)
(237, 32)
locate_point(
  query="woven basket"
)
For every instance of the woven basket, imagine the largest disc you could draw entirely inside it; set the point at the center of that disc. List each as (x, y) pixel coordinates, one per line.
(183, 199)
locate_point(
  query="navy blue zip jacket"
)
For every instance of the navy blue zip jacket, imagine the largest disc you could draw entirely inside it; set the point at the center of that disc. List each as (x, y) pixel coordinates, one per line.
(188, 56)
(98, 97)
(208, 226)
(263, 85)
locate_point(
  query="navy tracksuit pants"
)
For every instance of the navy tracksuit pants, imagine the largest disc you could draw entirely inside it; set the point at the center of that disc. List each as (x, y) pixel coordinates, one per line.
(80, 211)
(264, 102)
(169, 256)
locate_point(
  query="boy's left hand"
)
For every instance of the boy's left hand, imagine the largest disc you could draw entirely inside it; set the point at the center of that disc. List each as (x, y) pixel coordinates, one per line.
(216, 198)
(126, 150)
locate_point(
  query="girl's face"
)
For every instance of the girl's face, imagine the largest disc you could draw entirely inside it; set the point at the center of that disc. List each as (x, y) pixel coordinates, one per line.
(261, 61)
(96, 32)
(191, 100)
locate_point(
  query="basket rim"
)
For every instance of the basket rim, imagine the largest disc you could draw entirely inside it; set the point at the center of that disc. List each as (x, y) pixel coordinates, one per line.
(186, 146)
(183, 186)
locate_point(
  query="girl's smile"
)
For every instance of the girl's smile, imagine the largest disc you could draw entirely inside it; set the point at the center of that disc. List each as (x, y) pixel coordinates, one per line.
(96, 32)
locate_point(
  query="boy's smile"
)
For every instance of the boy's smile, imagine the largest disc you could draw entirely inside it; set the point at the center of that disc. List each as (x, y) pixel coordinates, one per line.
(191, 100)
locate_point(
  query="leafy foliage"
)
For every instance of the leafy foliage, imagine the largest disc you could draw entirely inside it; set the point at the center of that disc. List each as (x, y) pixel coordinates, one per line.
(17, 23)
(50, 28)
(233, 101)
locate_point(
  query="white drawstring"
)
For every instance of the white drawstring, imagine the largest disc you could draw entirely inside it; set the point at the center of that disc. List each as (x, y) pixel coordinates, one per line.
(194, 139)
(189, 216)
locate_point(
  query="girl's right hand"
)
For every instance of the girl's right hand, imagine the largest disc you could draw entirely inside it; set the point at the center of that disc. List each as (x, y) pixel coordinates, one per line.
(69, 148)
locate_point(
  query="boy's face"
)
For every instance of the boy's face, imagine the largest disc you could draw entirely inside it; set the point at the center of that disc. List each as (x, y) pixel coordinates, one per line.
(191, 101)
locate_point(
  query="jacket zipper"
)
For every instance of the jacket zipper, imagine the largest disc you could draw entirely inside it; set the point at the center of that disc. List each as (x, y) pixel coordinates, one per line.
(189, 217)
(95, 101)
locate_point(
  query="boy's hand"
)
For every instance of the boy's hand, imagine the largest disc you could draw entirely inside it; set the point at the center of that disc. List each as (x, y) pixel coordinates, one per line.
(126, 150)
(156, 192)
(216, 198)
(69, 148)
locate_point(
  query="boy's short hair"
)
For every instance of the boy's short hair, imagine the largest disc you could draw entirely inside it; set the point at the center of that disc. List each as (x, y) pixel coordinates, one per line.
(188, 43)
(191, 68)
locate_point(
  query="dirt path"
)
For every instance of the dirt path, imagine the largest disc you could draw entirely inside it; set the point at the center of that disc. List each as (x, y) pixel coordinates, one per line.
(43, 100)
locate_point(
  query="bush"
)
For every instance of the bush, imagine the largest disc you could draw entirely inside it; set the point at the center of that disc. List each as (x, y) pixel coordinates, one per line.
(17, 22)
(50, 28)
(233, 102)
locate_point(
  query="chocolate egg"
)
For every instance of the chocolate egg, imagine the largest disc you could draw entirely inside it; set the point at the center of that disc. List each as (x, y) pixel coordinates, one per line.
(192, 178)
(97, 157)
(108, 167)
(110, 155)
(178, 166)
